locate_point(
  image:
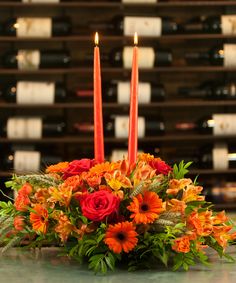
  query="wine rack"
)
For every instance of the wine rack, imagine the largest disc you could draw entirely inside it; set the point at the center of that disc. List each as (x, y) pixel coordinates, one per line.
(73, 145)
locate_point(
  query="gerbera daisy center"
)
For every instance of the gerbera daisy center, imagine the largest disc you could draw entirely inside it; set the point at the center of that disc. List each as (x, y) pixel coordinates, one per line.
(121, 236)
(144, 207)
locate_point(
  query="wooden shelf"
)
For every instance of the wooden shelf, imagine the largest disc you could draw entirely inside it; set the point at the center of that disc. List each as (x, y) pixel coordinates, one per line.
(117, 4)
(121, 38)
(211, 171)
(89, 139)
(109, 70)
(225, 206)
(113, 105)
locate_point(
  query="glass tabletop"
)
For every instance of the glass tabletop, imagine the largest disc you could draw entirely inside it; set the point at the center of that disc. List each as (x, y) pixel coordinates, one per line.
(22, 266)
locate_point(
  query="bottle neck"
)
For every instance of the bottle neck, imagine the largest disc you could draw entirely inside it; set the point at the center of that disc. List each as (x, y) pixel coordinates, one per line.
(186, 126)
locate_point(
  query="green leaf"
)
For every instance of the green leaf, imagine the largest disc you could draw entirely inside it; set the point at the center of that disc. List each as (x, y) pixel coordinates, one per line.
(109, 262)
(100, 238)
(179, 171)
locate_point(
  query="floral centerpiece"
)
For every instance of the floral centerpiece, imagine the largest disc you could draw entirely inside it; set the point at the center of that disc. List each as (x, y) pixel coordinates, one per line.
(111, 212)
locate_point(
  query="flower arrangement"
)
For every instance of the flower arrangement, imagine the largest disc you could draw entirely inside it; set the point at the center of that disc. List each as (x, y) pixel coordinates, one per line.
(111, 212)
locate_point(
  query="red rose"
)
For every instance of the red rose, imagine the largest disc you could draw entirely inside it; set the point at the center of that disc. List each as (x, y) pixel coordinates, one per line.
(76, 167)
(98, 205)
(160, 166)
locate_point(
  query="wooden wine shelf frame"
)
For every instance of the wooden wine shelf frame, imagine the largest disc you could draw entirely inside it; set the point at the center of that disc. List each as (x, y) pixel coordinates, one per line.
(117, 4)
(79, 139)
(109, 70)
(113, 105)
(89, 38)
(117, 7)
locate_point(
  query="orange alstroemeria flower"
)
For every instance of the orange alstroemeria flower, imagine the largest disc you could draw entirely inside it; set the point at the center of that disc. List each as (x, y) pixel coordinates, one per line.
(121, 237)
(222, 236)
(145, 208)
(143, 172)
(201, 222)
(191, 193)
(182, 244)
(61, 194)
(116, 181)
(41, 196)
(64, 227)
(176, 185)
(176, 205)
(220, 218)
(39, 218)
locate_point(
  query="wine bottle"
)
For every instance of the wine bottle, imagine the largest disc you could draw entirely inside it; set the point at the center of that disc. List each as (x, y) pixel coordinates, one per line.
(35, 59)
(225, 24)
(41, 1)
(118, 126)
(139, 1)
(223, 55)
(33, 92)
(144, 26)
(37, 27)
(210, 90)
(120, 153)
(120, 92)
(32, 127)
(217, 124)
(122, 57)
(219, 157)
(28, 161)
(148, 57)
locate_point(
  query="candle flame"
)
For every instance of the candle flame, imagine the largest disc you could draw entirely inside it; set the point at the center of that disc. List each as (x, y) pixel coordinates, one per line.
(96, 40)
(135, 38)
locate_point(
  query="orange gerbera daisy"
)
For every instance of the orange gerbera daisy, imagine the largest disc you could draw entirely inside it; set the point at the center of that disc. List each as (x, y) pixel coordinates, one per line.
(39, 219)
(121, 237)
(103, 168)
(146, 208)
(57, 168)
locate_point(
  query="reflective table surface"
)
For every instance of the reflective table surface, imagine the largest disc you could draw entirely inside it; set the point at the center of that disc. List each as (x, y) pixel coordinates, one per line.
(21, 266)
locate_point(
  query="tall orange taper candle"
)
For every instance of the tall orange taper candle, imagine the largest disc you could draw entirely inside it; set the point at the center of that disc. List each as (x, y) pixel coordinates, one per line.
(97, 105)
(133, 114)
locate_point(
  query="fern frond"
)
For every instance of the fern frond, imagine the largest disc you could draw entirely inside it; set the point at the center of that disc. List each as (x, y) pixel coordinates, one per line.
(40, 180)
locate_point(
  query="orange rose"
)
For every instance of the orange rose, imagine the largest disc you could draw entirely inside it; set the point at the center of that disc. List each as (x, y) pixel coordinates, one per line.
(181, 245)
(19, 223)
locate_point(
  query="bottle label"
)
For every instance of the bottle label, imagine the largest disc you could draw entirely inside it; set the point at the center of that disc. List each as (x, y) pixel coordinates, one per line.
(228, 24)
(118, 154)
(122, 127)
(40, 1)
(35, 93)
(230, 55)
(232, 90)
(123, 93)
(144, 26)
(146, 57)
(24, 128)
(27, 161)
(28, 59)
(220, 157)
(34, 27)
(139, 1)
(224, 124)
